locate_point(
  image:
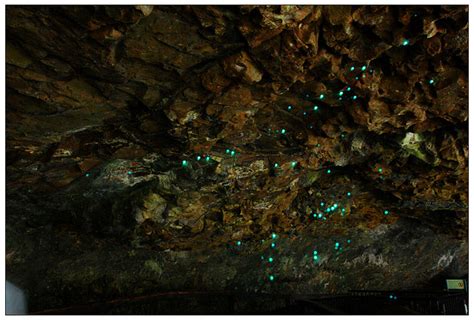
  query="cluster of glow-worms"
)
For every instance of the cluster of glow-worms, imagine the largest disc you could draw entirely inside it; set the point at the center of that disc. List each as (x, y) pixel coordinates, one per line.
(320, 213)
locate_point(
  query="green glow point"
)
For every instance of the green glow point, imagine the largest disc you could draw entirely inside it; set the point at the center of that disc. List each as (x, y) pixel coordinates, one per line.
(270, 259)
(354, 97)
(328, 210)
(273, 245)
(343, 210)
(314, 215)
(262, 257)
(335, 205)
(348, 194)
(232, 153)
(198, 158)
(227, 150)
(129, 173)
(239, 243)
(276, 165)
(431, 81)
(337, 244)
(315, 252)
(274, 236)
(380, 170)
(405, 42)
(349, 241)
(184, 163)
(322, 204)
(315, 108)
(290, 107)
(208, 158)
(328, 171)
(363, 68)
(283, 131)
(320, 215)
(386, 212)
(341, 93)
(348, 88)
(352, 68)
(272, 278)
(321, 96)
(357, 78)
(87, 174)
(293, 164)
(315, 257)
(304, 113)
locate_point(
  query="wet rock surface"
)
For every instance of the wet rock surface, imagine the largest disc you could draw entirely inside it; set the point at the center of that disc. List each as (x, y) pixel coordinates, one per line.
(160, 148)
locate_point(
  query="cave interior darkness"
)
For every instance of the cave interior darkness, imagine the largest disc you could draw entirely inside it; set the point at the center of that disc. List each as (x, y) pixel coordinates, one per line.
(237, 159)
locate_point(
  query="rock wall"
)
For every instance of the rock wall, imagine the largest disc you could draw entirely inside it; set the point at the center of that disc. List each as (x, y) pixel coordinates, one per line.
(248, 148)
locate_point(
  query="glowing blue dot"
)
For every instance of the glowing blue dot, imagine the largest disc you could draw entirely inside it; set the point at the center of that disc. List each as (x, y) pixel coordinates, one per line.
(290, 107)
(343, 210)
(239, 243)
(328, 210)
(129, 173)
(348, 194)
(315, 252)
(341, 93)
(315, 108)
(405, 42)
(274, 236)
(320, 215)
(348, 88)
(275, 165)
(262, 257)
(391, 297)
(431, 81)
(352, 68)
(357, 78)
(208, 158)
(354, 97)
(321, 96)
(304, 113)
(315, 258)
(198, 158)
(328, 171)
(349, 241)
(283, 131)
(294, 163)
(270, 259)
(227, 150)
(272, 278)
(363, 68)
(335, 205)
(184, 163)
(232, 153)
(314, 215)
(322, 204)
(336, 244)
(386, 212)
(273, 245)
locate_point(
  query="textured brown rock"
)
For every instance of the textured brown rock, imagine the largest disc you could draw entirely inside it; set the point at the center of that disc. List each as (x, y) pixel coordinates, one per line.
(145, 142)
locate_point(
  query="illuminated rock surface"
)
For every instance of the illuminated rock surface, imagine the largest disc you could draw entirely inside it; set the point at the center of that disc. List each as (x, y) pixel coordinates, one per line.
(158, 148)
